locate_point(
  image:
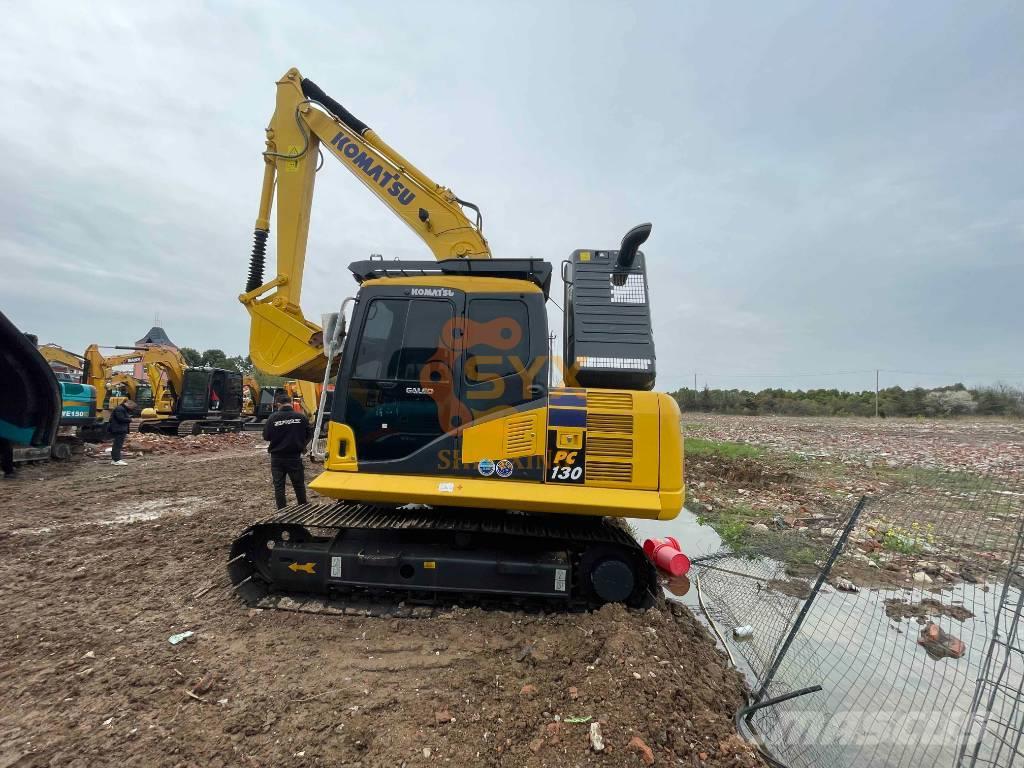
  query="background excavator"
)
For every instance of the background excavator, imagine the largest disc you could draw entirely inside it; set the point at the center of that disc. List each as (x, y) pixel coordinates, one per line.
(185, 401)
(78, 400)
(258, 401)
(124, 386)
(306, 397)
(453, 467)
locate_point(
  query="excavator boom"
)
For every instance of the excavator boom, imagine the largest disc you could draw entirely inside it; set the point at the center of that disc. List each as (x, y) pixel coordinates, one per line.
(282, 341)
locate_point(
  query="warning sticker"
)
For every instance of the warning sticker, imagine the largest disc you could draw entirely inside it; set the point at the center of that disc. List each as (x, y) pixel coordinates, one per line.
(292, 165)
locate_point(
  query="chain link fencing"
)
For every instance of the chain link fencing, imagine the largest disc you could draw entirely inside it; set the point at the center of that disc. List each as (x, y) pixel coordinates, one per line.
(888, 634)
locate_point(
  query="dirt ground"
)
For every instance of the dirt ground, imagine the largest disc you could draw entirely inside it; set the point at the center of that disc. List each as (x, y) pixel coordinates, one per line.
(100, 565)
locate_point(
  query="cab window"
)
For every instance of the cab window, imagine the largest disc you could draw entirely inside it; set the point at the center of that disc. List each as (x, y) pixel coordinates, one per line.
(498, 331)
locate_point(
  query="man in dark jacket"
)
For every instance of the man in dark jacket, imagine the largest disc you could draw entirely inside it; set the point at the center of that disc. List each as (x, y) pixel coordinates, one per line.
(120, 421)
(288, 433)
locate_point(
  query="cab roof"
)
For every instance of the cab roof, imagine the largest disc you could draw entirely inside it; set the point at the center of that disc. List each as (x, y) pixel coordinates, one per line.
(536, 271)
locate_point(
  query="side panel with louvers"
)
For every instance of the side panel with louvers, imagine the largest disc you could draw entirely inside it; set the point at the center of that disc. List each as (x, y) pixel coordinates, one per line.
(520, 435)
(516, 436)
(622, 439)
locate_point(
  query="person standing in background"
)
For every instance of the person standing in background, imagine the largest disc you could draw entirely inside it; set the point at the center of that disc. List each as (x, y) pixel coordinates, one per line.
(118, 426)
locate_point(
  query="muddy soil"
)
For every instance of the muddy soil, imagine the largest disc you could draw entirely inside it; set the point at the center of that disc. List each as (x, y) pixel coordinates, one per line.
(922, 610)
(100, 565)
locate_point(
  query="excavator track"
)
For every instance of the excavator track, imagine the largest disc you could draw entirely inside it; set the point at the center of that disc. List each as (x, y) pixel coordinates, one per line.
(342, 551)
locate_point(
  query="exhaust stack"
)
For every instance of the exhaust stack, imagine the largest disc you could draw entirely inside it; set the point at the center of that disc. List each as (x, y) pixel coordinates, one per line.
(631, 243)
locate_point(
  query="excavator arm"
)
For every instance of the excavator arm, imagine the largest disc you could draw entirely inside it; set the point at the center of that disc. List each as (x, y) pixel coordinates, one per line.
(282, 341)
(56, 354)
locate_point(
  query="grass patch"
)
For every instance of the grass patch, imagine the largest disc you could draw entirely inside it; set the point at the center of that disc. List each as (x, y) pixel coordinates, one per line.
(732, 524)
(907, 541)
(735, 527)
(743, 510)
(939, 479)
(698, 446)
(732, 530)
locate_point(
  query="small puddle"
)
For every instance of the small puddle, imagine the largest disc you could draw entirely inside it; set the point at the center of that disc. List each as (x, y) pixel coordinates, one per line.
(695, 540)
(128, 513)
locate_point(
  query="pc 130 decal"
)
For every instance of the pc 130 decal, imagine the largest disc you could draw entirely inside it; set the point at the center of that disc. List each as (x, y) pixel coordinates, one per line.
(565, 465)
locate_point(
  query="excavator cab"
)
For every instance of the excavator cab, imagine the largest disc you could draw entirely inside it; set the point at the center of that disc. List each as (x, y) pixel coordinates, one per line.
(431, 354)
(267, 401)
(144, 396)
(210, 391)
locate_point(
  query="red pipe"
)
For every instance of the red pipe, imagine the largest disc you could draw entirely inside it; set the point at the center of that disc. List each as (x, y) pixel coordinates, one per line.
(651, 544)
(671, 560)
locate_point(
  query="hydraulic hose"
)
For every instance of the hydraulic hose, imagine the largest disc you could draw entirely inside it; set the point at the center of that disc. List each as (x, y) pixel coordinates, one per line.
(314, 92)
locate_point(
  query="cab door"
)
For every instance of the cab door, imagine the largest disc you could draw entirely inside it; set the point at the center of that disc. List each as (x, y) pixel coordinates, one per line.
(398, 378)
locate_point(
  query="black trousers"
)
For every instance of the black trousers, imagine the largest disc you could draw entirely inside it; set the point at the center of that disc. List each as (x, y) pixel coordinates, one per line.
(115, 452)
(291, 467)
(6, 456)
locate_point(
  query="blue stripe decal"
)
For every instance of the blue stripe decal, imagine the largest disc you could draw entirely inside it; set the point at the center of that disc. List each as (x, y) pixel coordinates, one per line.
(567, 417)
(579, 401)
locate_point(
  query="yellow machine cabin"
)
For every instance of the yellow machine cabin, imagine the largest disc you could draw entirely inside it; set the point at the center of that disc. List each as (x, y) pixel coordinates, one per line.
(442, 398)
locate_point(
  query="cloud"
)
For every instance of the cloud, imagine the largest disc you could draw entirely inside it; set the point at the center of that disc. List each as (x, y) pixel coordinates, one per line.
(832, 187)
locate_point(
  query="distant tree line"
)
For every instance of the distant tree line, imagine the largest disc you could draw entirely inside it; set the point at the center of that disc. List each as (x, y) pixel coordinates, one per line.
(955, 400)
(215, 358)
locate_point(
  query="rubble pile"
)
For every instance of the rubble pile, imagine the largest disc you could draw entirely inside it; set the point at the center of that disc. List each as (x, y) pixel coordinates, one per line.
(981, 446)
(933, 487)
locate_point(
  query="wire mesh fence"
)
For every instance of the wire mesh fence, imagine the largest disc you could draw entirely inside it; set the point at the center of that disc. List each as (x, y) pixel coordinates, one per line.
(898, 623)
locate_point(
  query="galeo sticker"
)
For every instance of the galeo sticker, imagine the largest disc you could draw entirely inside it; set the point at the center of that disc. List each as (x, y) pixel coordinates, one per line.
(504, 468)
(485, 467)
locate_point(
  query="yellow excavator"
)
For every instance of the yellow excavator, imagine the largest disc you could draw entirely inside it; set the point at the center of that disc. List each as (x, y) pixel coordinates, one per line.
(78, 400)
(306, 396)
(181, 400)
(451, 464)
(258, 401)
(124, 386)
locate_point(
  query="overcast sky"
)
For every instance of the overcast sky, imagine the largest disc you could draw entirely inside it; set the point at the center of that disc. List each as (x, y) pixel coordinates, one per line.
(834, 187)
